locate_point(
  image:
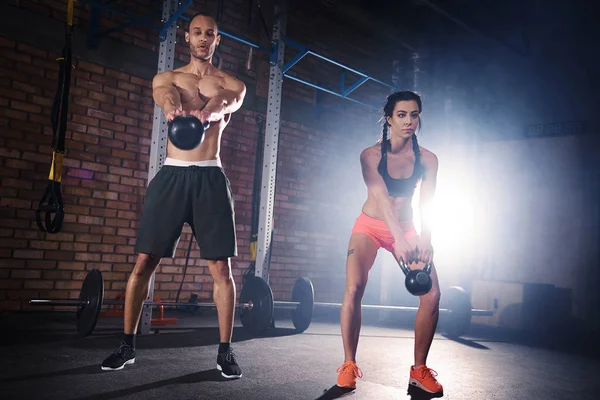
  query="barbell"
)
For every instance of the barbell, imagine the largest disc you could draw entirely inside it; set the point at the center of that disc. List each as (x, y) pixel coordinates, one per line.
(91, 300)
(457, 313)
(257, 305)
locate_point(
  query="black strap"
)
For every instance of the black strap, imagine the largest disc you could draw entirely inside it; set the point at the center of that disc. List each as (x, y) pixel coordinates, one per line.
(52, 203)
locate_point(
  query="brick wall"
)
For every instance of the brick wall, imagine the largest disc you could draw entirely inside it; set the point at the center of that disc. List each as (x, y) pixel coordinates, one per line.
(106, 164)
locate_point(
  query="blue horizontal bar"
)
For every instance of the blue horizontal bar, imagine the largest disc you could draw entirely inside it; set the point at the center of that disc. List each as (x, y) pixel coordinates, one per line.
(294, 44)
(295, 60)
(338, 64)
(328, 91)
(355, 86)
(239, 39)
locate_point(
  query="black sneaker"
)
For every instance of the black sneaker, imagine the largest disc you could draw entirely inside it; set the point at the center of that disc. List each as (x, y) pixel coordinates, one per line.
(228, 366)
(119, 358)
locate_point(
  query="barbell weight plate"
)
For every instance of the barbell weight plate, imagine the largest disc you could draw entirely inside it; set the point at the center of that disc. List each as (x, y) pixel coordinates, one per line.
(92, 292)
(304, 294)
(258, 319)
(458, 303)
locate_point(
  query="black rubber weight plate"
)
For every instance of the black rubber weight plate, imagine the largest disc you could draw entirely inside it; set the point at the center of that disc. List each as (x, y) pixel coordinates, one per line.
(257, 291)
(92, 292)
(303, 293)
(459, 304)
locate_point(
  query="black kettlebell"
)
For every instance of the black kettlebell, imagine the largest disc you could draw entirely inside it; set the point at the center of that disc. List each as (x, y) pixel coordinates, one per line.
(417, 281)
(186, 132)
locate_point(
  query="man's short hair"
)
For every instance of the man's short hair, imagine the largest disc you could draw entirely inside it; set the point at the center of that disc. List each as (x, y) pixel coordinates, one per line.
(204, 14)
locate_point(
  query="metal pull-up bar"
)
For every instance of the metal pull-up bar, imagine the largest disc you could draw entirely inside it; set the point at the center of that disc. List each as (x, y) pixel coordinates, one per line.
(167, 23)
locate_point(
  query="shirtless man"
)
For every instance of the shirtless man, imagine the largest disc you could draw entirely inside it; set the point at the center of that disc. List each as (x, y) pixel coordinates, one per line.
(191, 187)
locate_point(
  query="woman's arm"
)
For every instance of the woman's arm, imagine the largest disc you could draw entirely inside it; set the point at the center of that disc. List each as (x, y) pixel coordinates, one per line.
(428, 185)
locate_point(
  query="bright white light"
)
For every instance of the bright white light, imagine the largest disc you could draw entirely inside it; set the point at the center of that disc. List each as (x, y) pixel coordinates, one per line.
(453, 215)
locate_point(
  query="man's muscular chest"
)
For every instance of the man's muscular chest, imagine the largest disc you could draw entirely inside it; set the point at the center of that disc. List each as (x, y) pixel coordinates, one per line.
(195, 89)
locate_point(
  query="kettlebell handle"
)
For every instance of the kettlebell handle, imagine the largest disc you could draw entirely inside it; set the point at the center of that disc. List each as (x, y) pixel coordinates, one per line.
(406, 270)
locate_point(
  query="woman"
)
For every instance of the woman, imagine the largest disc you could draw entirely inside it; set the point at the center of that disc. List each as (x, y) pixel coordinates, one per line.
(391, 170)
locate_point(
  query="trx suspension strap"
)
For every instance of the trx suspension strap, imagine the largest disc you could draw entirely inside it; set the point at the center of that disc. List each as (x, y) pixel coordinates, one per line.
(52, 203)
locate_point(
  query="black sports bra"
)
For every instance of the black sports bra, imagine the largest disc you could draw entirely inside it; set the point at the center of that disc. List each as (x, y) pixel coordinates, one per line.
(400, 187)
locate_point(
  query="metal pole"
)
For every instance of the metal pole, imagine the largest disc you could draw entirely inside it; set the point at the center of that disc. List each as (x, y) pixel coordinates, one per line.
(271, 145)
(166, 57)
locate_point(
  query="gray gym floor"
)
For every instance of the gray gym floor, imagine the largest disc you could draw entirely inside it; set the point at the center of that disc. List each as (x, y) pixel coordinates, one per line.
(43, 359)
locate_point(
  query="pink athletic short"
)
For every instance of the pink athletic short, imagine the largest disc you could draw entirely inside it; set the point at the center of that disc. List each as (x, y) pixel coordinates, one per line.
(377, 230)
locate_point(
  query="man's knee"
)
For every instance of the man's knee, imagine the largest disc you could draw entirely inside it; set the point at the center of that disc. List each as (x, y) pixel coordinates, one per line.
(220, 271)
(145, 265)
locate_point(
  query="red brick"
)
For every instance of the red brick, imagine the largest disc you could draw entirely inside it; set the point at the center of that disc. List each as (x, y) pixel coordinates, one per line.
(25, 274)
(38, 284)
(41, 264)
(124, 223)
(72, 265)
(101, 248)
(113, 126)
(86, 138)
(114, 239)
(86, 84)
(101, 132)
(123, 154)
(119, 205)
(86, 120)
(86, 101)
(139, 81)
(127, 232)
(101, 212)
(18, 105)
(90, 67)
(43, 245)
(16, 203)
(45, 64)
(111, 108)
(58, 255)
(115, 258)
(132, 105)
(80, 173)
(92, 202)
(115, 92)
(132, 182)
(129, 87)
(99, 114)
(126, 120)
(25, 87)
(104, 230)
(105, 80)
(73, 247)
(13, 114)
(102, 97)
(117, 74)
(94, 166)
(105, 195)
(58, 275)
(28, 254)
(107, 178)
(16, 183)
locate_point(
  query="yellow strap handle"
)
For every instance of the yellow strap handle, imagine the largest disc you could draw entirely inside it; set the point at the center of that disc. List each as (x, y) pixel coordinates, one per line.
(70, 12)
(56, 167)
(253, 247)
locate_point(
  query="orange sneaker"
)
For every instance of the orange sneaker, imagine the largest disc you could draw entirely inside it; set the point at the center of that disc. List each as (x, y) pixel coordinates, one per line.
(348, 373)
(424, 379)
